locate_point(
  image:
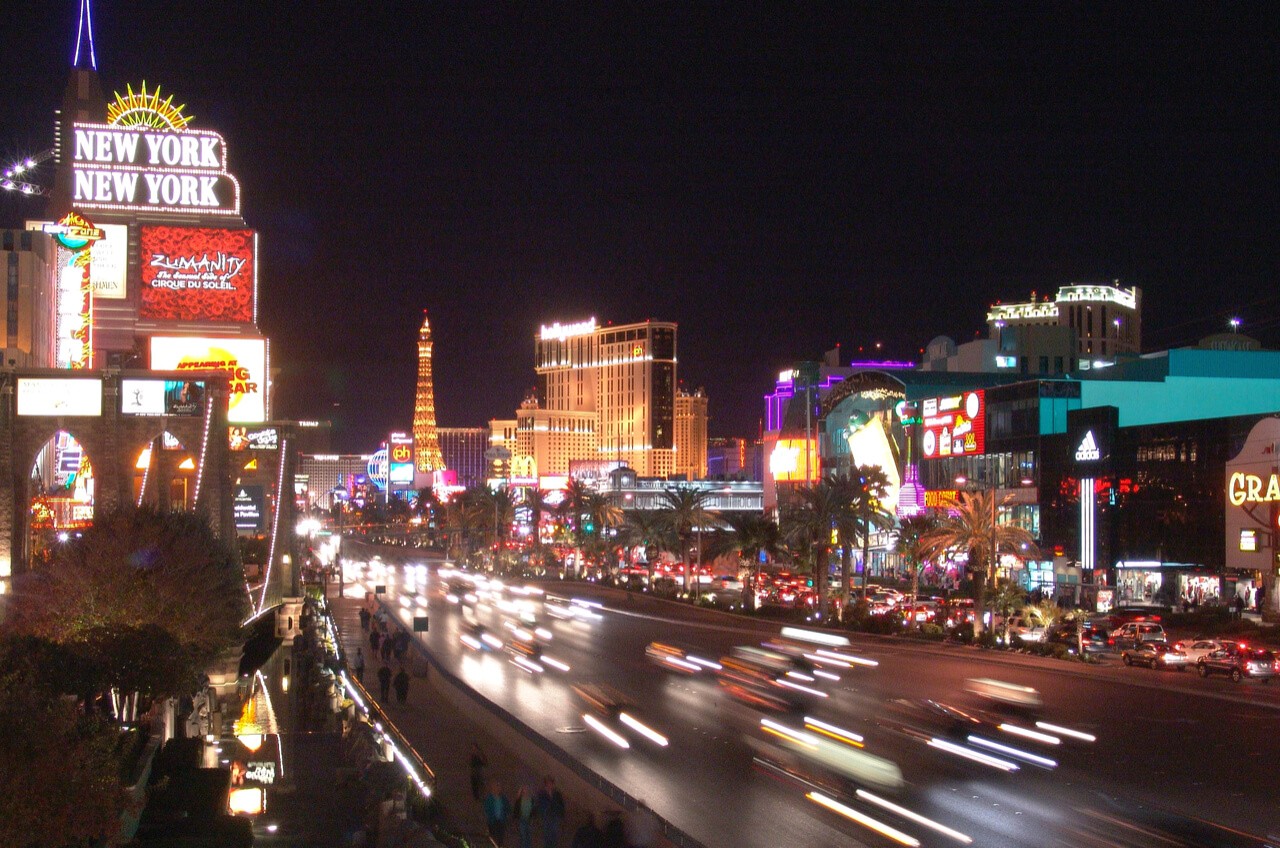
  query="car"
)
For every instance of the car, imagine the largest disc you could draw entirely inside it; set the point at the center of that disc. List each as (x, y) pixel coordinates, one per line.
(1025, 629)
(1155, 655)
(920, 612)
(1239, 662)
(1092, 635)
(1197, 649)
(1135, 632)
(1120, 616)
(679, 658)
(959, 611)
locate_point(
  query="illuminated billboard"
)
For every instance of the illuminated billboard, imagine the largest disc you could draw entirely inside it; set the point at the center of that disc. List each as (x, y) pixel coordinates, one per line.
(133, 169)
(243, 359)
(161, 397)
(955, 425)
(197, 274)
(254, 438)
(400, 454)
(792, 458)
(59, 396)
(110, 260)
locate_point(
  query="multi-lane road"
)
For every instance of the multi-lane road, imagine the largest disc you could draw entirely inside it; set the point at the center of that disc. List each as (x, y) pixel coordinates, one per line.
(1187, 764)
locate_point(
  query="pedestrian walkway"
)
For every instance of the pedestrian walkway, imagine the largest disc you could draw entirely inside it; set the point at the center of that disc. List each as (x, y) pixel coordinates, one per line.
(443, 735)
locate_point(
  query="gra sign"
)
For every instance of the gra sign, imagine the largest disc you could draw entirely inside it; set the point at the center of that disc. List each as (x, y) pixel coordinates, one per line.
(128, 168)
(1245, 488)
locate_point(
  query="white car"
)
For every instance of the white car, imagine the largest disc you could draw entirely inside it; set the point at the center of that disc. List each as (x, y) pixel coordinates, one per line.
(1026, 629)
(1199, 649)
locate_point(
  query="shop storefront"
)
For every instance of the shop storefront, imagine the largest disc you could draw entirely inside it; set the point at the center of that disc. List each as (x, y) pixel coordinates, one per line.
(1154, 583)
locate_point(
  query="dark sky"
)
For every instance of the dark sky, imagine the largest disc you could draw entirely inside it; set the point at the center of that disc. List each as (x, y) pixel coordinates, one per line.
(777, 178)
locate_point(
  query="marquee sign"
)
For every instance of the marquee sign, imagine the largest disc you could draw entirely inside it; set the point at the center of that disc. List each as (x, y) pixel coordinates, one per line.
(400, 455)
(139, 168)
(197, 274)
(954, 426)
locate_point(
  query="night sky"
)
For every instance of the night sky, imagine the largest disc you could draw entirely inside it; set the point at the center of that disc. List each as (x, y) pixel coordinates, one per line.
(776, 178)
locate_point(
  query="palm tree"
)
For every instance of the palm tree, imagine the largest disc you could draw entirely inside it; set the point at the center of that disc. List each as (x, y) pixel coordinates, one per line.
(907, 541)
(649, 529)
(601, 516)
(494, 511)
(748, 534)
(685, 512)
(535, 500)
(972, 527)
(867, 489)
(807, 524)
(572, 510)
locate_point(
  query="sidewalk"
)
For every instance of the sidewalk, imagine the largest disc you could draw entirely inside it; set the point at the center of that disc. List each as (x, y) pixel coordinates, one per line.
(442, 734)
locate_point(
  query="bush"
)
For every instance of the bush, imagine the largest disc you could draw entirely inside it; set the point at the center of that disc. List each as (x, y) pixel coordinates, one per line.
(932, 631)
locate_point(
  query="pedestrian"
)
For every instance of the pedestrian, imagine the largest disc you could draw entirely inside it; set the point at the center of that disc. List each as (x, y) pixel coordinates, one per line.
(1239, 604)
(478, 766)
(358, 664)
(402, 685)
(497, 809)
(523, 814)
(388, 642)
(384, 681)
(641, 827)
(588, 836)
(550, 804)
(364, 619)
(1258, 595)
(374, 638)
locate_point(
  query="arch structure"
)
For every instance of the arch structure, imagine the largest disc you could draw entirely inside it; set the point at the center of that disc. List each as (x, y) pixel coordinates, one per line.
(73, 442)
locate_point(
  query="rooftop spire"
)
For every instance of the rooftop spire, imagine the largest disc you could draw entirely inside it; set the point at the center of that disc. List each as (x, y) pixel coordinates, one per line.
(84, 37)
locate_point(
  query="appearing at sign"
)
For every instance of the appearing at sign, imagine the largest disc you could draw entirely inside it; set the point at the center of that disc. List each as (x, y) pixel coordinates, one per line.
(197, 274)
(954, 426)
(247, 506)
(131, 168)
(243, 359)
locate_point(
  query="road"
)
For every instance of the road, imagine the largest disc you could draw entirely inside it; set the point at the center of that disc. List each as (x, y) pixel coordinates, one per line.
(1196, 752)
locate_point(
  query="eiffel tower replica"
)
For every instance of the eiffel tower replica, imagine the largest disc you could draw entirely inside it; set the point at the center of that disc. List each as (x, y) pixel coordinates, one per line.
(426, 441)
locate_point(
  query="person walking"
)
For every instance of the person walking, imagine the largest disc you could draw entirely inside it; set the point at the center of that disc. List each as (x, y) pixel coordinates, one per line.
(358, 664)
(550, 806)
(497, 809)
(402, 685)
(384, 681)
(374, 639)
(478, 766)
(388, 642)
(364, 619)
(523, 813)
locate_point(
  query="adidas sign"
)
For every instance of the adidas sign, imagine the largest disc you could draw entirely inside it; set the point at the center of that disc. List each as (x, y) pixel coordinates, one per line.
(1087, 450)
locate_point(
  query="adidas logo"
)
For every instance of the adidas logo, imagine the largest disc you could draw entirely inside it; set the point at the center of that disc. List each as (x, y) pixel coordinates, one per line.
(1087, 450)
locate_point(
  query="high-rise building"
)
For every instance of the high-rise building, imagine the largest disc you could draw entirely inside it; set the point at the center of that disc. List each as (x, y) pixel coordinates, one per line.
(463, 451)
(28, 262)
(548, 440)
(499, 456)
(426, 440)
(691, 435)
(626, 374)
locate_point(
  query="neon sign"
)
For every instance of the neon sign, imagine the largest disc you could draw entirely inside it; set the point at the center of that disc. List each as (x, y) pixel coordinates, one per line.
(146, 110)
(74, 307)
(138, 167)
(1245, 488)
(954, 425)
(559, 332)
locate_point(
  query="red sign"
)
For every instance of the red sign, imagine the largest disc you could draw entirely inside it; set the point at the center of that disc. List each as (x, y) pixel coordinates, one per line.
(197, 274)
(954, 426)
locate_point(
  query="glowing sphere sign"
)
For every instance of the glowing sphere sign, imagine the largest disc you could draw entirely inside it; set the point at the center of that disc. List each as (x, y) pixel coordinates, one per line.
(377, 469)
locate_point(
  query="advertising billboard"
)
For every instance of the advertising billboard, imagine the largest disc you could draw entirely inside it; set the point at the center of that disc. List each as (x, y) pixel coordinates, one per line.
(788, 462)
(59, 396)
(161, 397)
(133, 169)
(955, 425)
(247, 507)
(110, 260)
(254, 438)
(400, 455)
(197, 274)
(244, 360)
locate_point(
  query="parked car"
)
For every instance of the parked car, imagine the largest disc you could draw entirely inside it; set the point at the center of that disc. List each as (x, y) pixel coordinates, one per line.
(1120, 616)
(1135, 632)
(1094, 636)
(960, 611)
(1198, 649)
(920, 612)
(1155, 655)
(1239, 662)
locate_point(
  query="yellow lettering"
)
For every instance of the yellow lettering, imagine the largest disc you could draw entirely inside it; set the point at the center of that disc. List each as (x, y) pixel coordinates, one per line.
(1273, 489)
(1254, 488)
(1235, 488)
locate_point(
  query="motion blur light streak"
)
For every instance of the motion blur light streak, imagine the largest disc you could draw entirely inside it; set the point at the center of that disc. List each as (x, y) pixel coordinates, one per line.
(595, 725)
(864, 820)
(826, 675)
(1066, 731)
(961, 751)
(816, 638)
(1014, 752)
(1030, 734)
(785, 732)
(805, 689)
(679, 663)
(555, 663)
(913, 816)
(831, 730)
(647, 732)
(715, 666)
(829, 660)
(831, 655)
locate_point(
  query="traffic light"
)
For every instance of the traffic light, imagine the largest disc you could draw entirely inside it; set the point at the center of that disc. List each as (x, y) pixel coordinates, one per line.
(590, 527)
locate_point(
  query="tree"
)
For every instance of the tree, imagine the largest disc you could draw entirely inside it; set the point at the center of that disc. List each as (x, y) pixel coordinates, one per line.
(648, 529)
(535, 500)
(493, 512)
(684, 509)
(807, 525)
(573, 513)
(602, 515)
(136, 568)
(748, 534)
(866, 513)
(972, 527)
(908, 541)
